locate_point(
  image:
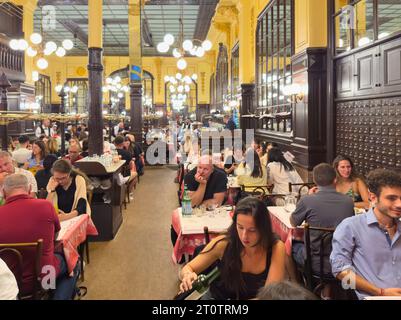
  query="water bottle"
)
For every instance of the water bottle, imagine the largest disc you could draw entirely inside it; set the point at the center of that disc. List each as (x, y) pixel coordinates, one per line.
(186, 203)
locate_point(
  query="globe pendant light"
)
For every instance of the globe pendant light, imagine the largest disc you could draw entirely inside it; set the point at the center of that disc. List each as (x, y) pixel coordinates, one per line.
(42, 63)
(181, 64)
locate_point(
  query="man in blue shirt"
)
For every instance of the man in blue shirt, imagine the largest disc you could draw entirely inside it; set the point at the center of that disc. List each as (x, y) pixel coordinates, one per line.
(366, 252)
(229, 123)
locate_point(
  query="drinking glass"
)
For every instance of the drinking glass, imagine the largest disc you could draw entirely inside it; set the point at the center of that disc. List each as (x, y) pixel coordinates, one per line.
(290, 203)
(211, 209)
(198, 212)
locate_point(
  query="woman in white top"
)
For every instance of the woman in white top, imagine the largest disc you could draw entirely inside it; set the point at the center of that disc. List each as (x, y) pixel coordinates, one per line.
(187, 147)
(8, 284)
(281, 172)
(252, 172)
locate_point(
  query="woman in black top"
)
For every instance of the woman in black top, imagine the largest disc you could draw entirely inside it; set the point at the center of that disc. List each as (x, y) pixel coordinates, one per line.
(42, 176)
(249, 255)
(67, 191)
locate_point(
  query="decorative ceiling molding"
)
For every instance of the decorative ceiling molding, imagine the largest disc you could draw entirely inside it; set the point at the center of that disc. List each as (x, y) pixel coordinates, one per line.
(230, 12)
(224, 27)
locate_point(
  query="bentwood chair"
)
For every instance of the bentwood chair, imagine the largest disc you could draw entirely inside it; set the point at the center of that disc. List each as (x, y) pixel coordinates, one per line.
(263, 193)
(316, 280)
(20, 256)
(126, 172)
(41, 194)
(325, 238)
(84, 247)
(303, 188)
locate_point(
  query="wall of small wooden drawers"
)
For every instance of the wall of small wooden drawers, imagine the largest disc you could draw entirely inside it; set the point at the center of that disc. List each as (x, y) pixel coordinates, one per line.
(369, 131)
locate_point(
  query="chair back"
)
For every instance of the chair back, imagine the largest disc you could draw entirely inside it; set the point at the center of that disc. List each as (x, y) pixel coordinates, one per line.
(13, 259)
(324, 248)
(263, 193)
(41, 194)
(206, 233)
(126, 170)
(89, 197)
(16, 256)
(302, 187)
(181, 174)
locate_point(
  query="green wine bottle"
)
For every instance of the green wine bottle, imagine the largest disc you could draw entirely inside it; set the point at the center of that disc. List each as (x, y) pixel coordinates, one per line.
(203, 282)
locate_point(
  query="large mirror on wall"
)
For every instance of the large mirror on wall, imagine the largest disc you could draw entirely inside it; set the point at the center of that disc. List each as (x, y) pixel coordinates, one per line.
(358, 23)
(274, 49)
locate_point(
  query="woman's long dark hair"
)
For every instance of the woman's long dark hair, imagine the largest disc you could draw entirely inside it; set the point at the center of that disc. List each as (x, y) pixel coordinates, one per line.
(230, 272)
(276, 155)
(252, 157)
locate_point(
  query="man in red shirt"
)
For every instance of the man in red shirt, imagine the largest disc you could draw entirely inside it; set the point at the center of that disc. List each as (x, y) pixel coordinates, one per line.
(73, 154)
(24, 219)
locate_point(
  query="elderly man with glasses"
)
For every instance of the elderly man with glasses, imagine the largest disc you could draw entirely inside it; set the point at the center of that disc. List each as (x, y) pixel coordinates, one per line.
(7, 167)
(24, 220)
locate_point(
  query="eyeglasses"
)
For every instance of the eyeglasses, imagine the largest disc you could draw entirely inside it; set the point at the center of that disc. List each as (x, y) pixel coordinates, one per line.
(61, 178)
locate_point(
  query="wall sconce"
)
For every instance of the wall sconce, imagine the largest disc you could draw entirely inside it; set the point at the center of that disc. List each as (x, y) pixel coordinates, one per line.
(296, 91)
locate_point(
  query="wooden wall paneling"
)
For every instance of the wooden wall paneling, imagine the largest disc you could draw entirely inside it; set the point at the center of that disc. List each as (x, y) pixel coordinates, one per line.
(390, 66)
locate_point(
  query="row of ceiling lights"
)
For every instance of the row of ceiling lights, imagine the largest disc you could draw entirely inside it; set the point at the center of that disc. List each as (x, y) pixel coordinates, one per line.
(37, 48)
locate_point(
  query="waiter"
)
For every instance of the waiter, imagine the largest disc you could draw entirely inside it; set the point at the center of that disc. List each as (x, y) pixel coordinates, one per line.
(44, 129)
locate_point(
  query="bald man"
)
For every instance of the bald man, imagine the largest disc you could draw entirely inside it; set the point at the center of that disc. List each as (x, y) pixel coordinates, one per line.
(206, 184)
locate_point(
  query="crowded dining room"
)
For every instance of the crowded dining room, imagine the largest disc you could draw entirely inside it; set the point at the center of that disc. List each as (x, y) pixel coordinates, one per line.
(200, 150)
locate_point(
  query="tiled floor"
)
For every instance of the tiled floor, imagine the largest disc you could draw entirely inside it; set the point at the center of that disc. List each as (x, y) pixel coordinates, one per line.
(137, 263)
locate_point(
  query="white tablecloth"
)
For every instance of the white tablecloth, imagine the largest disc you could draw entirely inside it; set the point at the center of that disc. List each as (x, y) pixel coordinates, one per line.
(281, 214)
(216, 222)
